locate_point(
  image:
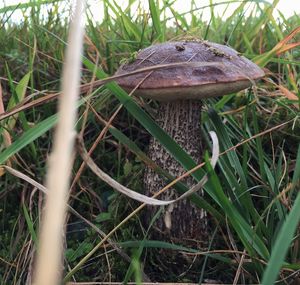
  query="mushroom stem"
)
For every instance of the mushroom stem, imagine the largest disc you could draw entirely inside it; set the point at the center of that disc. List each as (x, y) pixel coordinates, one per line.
(182, 221)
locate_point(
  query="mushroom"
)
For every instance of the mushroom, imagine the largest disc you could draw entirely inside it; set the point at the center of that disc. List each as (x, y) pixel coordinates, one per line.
(180, 90)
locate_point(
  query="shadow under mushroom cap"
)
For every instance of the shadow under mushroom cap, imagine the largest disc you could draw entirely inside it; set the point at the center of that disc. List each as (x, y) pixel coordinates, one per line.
(232, 73)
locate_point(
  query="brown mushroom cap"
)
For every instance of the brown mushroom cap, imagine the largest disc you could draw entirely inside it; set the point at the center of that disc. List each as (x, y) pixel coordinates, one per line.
(233, 72)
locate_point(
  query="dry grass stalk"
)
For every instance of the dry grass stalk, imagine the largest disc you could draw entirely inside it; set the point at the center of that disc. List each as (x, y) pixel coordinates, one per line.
(49, 260)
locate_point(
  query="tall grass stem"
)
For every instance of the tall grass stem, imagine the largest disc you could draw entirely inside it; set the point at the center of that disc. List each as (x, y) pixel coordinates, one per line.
(49, 257)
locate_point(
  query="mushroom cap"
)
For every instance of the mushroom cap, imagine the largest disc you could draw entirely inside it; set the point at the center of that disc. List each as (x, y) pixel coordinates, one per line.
(231, 73)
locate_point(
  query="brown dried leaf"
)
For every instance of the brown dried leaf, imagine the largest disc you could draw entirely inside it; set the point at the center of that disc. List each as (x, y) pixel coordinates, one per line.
(7, 141)
(283, 44)
(2, 171)
(287, 93)
(287, 47)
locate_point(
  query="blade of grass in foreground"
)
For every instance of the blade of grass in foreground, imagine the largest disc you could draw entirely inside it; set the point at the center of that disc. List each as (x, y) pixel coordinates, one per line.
(282, 243)
(48, 266)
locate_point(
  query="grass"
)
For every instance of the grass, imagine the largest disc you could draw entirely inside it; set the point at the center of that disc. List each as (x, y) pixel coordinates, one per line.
(252, 196)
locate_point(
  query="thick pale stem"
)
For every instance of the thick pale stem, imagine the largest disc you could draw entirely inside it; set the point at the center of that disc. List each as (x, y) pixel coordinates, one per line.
(49, 264)
(182, 221)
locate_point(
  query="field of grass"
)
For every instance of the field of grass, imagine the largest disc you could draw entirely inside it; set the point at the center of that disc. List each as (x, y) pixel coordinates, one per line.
(252, 195)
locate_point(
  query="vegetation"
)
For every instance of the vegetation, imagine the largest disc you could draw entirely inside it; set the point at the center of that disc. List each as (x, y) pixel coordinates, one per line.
(252, 195)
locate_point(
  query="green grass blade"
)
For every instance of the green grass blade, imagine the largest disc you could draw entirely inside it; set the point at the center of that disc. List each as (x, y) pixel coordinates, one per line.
(259, 147)
(170, 246)
(25, 5)
(19, 95)
(20, 91)
(296, 175)
(28, 137)
(232, 167)
(250, 239)
(179, 18)
(282, 244)
(226, 143)
(154, 10)
(131, 28)
(30, 225)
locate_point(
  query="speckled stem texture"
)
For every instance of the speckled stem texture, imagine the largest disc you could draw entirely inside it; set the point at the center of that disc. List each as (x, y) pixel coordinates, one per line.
(181, 222)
